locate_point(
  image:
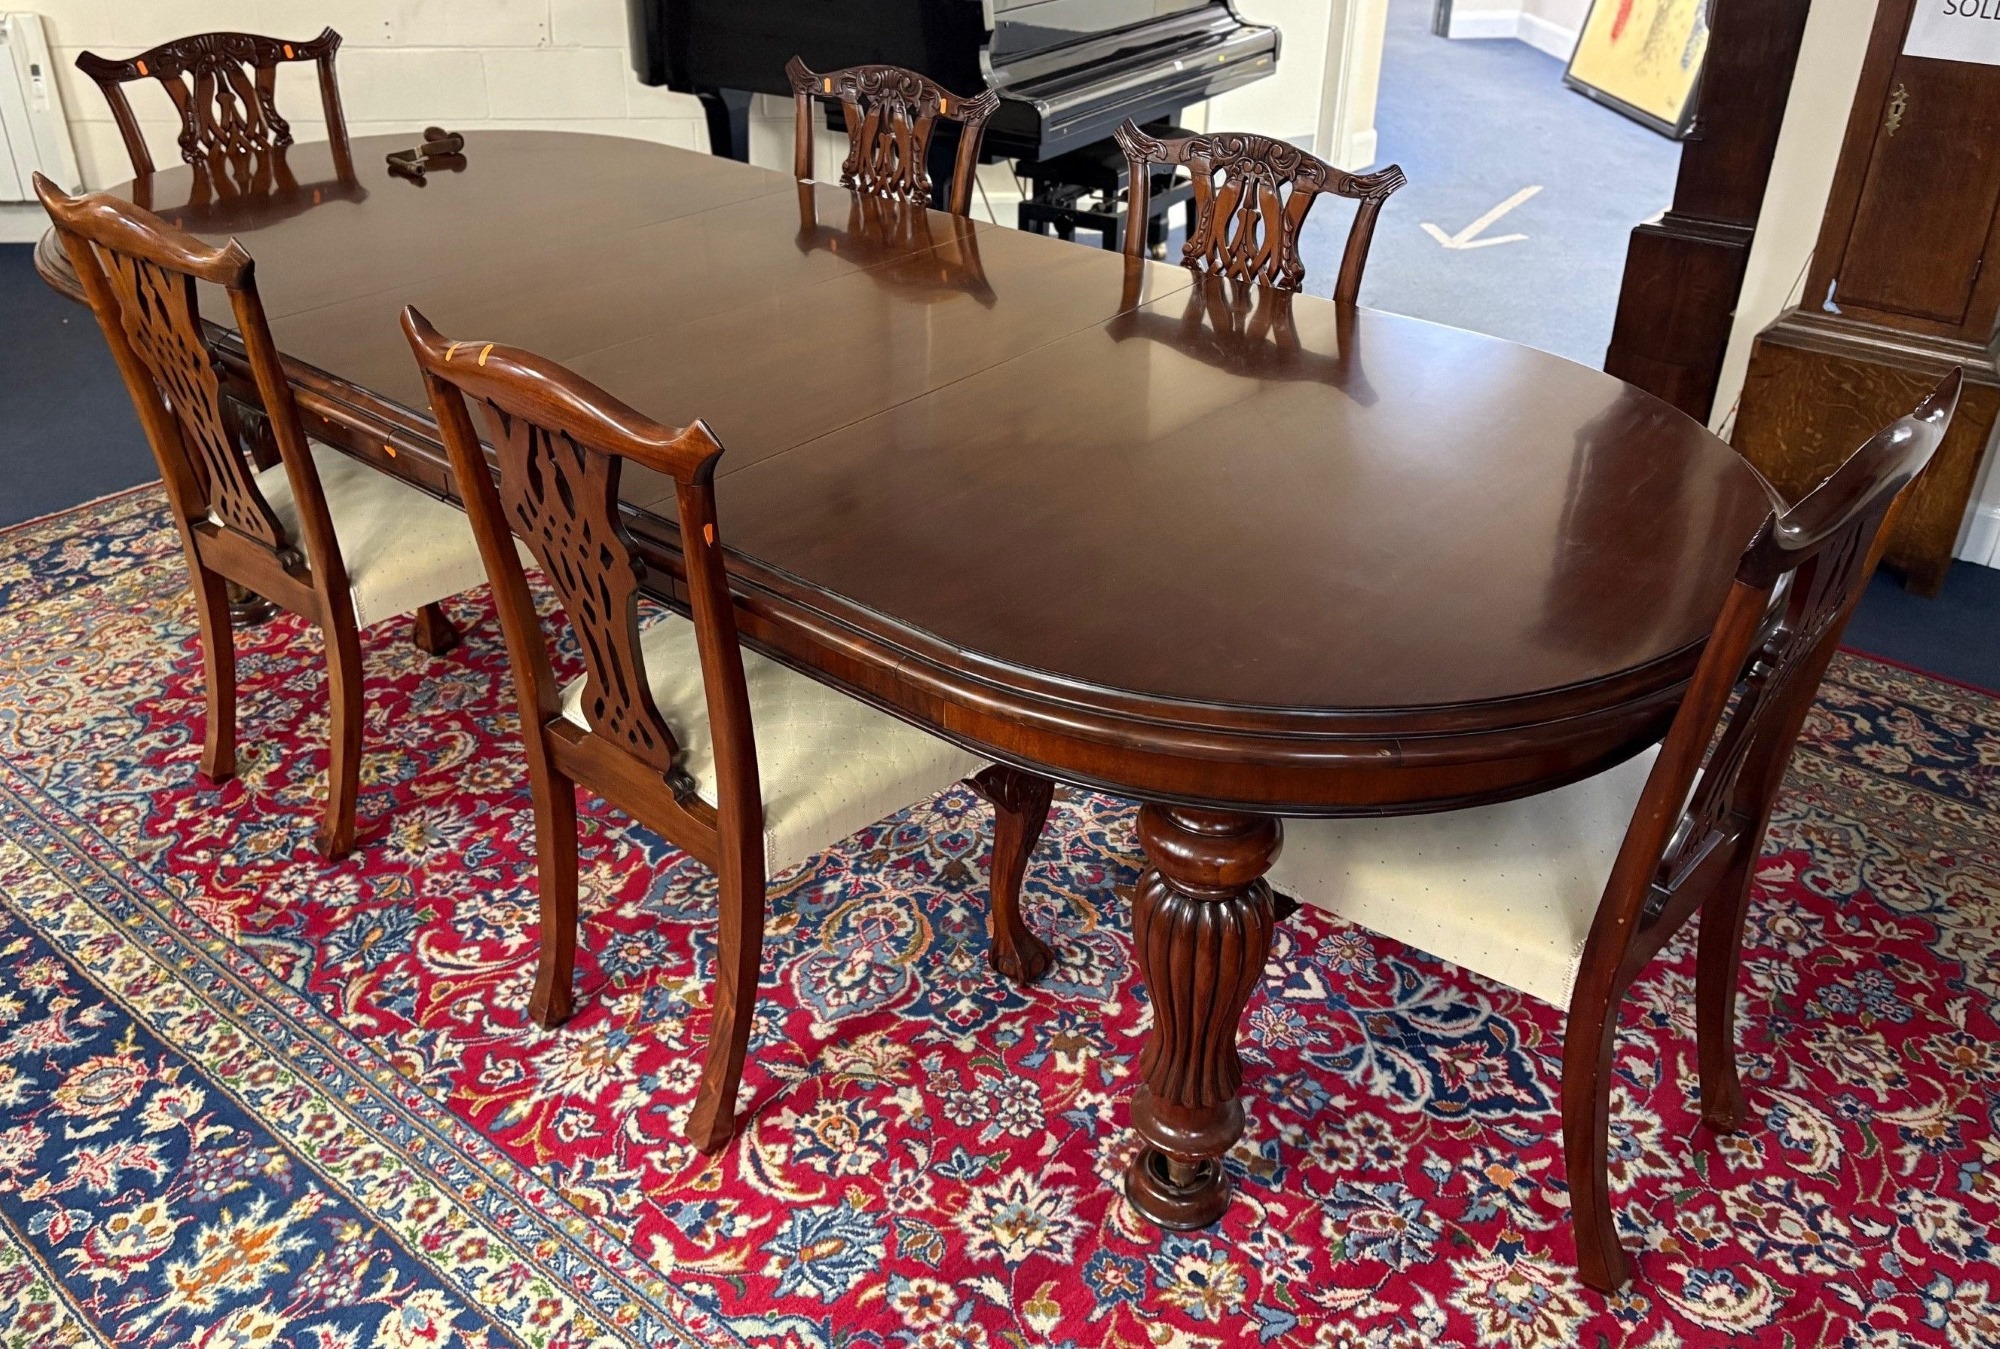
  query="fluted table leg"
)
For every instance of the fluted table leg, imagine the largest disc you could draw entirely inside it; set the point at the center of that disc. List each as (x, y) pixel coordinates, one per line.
(1201, 928)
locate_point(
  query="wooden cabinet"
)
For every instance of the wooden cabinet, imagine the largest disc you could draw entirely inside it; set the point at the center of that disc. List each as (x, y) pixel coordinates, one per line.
(1911, 220)
(1904, 282)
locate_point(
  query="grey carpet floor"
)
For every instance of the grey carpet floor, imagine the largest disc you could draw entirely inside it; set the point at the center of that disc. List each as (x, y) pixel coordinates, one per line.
(1473, 122)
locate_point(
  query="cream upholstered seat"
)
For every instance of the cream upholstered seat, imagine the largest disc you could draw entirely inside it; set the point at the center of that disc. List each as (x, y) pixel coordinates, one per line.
(402, 548)
(1509, 891)
(828, 764)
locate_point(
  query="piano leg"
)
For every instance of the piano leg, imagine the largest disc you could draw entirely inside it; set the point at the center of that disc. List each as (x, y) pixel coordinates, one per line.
(728, 122)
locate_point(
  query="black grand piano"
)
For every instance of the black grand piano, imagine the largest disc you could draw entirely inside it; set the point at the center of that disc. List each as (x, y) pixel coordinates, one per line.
(1068, 71)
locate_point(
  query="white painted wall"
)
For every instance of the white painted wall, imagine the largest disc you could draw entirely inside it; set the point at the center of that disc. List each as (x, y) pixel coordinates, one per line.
(1552, 25)
(404, 64)
(1830, 57)
(1287, 104)
(1836, 39)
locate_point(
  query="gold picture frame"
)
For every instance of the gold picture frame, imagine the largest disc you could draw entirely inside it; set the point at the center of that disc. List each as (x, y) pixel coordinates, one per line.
(1644, 58)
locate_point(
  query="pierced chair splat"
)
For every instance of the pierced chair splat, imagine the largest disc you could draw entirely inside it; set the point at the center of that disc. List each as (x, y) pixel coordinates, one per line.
(1251, 196)
(1568, 895)
(224, 87)
(313, 531)
(747, 765)
(891, 115)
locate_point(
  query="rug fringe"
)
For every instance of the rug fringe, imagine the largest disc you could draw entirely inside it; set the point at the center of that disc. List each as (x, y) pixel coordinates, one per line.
(79, 506)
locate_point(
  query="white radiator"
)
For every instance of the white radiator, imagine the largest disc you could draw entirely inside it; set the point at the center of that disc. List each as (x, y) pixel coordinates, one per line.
(33, 133)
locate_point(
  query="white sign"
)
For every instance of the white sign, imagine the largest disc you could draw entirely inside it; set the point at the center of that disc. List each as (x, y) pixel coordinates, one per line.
(1956, 30)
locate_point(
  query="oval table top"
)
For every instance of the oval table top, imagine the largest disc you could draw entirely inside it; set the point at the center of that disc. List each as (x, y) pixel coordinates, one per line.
(1088, 515)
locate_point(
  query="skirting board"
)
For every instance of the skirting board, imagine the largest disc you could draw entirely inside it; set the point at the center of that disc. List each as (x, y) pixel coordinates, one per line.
(1484, 23)
(1548, 37)
(22, 222)
(1979, 540)
(1532, 29)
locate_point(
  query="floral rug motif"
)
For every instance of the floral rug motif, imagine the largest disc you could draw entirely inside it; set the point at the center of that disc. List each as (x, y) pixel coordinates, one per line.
(248, 1099)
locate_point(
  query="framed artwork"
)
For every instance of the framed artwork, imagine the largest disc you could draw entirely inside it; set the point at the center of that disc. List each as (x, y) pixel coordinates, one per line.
(1643, 57)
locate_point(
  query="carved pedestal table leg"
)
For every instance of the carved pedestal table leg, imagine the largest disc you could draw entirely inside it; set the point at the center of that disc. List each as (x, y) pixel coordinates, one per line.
(1201, 928)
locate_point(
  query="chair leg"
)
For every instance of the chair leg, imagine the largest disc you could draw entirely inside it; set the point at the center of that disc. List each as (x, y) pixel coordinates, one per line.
(1586, 1099)
(218, 664)
(555, 869)
(738, 957)
(344, 717)
(432, 631)
(1020, 809)
(1716, 969)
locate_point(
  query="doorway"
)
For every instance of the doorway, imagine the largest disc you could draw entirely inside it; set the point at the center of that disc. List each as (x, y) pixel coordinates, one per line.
(1522, 194)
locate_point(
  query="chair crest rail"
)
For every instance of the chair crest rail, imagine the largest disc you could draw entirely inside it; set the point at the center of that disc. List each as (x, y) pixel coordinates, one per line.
(891, 115)
(1251, 197)
(224, 86)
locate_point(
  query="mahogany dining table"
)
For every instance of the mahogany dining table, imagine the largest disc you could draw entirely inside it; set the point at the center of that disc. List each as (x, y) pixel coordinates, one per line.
(1238, 555)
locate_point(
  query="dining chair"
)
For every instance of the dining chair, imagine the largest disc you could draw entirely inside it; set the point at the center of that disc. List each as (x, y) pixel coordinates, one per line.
(890, 114)
(745, 764)
(1251, 196)
(1566, 896)
(317, 532)
(224, 86)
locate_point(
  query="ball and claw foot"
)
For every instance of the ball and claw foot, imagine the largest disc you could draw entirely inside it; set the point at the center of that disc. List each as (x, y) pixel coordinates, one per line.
(1025, 962)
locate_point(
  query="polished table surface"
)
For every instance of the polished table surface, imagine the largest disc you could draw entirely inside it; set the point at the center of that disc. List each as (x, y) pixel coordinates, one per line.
(1252, 554)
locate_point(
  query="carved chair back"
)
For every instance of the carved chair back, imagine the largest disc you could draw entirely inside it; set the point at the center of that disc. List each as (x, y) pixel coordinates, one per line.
(141, 276)
(560, 445)
(224, 86)
(890, 114)
(1795, 587)
(1251, 196)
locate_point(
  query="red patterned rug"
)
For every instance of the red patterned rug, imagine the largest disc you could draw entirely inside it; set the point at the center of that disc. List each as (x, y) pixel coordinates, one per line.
(249, 1099)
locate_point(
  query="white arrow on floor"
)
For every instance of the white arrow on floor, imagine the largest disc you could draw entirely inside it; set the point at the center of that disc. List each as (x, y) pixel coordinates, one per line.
(1469, 236)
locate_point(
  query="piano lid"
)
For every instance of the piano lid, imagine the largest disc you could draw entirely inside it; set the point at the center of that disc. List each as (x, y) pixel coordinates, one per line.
(1068, 71)
(1058, 98)
(1020, 28)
